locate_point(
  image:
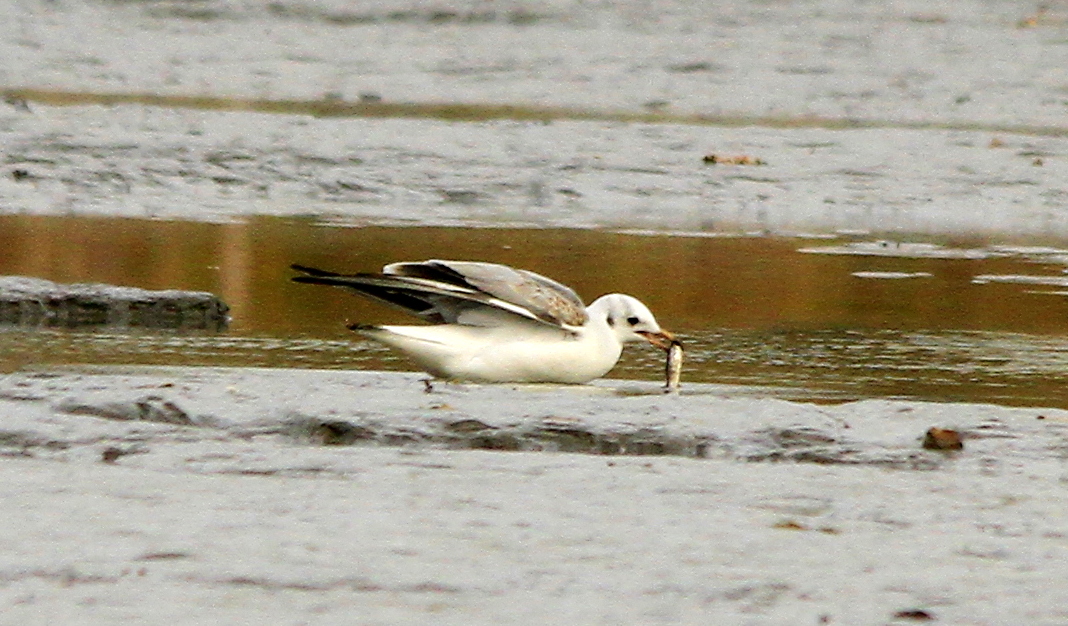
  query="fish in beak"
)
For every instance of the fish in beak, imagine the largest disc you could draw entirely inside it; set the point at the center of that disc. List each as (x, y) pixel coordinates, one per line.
(661, 339)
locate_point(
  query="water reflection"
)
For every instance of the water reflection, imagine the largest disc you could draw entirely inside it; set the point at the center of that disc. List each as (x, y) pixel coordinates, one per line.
(755, 311)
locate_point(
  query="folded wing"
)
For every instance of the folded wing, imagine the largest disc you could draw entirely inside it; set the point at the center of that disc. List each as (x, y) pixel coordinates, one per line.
(450, 292)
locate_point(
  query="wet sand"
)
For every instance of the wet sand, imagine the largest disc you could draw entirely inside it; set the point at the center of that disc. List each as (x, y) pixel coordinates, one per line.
(149, 163)
(225, 494)
(902, 120)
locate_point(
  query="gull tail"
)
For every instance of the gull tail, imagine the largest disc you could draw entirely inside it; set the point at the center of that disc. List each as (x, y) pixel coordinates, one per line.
(377, 286)
(317, 276)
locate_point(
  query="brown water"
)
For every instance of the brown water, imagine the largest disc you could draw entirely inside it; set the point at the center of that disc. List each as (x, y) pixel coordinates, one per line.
(753, 310)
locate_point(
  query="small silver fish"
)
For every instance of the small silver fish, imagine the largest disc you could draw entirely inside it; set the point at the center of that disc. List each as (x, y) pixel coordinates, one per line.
(673, 367)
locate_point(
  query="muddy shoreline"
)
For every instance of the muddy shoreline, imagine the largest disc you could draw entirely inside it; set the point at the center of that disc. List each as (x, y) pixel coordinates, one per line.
(325, 491)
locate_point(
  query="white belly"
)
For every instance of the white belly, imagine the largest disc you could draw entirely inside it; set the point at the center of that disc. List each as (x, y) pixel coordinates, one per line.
(492, 355)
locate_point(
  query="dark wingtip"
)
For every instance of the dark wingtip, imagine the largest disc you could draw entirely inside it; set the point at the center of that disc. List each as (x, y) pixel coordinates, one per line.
(312, 271)
(312, 275)
(358, 327)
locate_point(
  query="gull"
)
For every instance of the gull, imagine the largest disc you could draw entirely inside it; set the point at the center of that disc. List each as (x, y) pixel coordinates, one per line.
(493, 323)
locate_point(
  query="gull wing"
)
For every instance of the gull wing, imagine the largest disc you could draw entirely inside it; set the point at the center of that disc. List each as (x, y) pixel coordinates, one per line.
(448, 292)
(547, 300)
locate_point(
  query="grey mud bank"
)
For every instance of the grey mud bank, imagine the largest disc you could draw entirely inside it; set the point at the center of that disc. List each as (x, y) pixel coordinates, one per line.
(279, 494)
(36, 303)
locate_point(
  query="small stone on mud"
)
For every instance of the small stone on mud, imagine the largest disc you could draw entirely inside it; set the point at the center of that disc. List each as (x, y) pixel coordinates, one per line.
(111, 454)
(495, 441)
(19, 103)
(942, 439)
(339, 433)
(737, 159)
(914, 614)
(467, 426)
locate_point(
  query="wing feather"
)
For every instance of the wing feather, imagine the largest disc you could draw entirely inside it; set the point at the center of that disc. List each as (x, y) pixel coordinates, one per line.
(442, 291)
(548, 300)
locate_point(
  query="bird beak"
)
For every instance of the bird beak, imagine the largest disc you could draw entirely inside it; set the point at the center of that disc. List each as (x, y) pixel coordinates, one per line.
(661, 339)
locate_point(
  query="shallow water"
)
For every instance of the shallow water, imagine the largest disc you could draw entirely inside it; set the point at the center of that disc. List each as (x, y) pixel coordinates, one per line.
(753, 310)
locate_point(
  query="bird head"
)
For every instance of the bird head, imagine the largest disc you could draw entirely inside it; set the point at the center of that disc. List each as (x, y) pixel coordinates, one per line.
(630, 320)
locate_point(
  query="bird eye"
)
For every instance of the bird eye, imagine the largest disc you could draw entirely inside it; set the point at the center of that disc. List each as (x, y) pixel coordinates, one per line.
(633, 321)
(611, 321)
